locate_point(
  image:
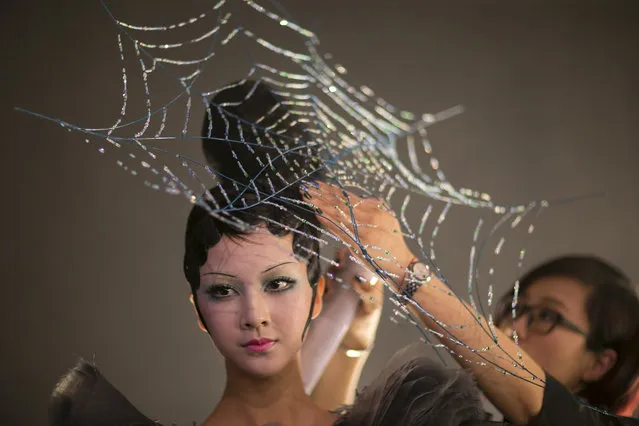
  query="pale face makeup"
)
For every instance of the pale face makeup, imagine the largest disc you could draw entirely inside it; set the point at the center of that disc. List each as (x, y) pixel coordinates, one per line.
(255, 299)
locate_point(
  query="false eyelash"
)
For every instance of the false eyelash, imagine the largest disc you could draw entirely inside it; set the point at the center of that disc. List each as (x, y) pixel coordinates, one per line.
(210, 291)
(290, 281)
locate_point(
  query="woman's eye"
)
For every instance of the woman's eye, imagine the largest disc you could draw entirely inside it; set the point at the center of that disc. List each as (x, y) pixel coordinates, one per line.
(548, 315)
(280, 284)
(220, 292)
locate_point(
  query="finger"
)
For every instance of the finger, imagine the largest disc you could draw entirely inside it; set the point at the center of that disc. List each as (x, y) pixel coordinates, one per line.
(338, 229)
(342, 220)
(333, 193)
(366, 287)
(347, 216)
(370, 301)
(342, 256)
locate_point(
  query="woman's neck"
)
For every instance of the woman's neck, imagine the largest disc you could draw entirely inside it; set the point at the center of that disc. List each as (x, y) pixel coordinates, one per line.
(279, 399)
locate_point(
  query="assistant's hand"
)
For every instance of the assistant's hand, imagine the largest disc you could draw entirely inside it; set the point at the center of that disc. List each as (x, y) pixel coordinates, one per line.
(362, 330)
(378, 229)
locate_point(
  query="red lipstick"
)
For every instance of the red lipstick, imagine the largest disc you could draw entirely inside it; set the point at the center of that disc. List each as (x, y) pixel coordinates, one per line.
(259, 345)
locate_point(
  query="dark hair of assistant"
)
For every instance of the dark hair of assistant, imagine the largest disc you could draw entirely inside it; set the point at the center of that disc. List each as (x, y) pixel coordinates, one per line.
(613, 314)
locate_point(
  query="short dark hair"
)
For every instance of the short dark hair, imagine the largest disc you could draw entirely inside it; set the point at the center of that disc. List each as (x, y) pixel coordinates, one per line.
(280, 216)
(613, 315)
(246, 125)
(252, 140)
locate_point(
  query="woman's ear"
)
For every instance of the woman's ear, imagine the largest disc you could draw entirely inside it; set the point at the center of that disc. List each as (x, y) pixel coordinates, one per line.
(319, 297)
(603, 362)
(197, 314)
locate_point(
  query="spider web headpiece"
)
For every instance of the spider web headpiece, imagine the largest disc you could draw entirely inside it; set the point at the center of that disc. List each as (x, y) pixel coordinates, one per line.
(291, 118)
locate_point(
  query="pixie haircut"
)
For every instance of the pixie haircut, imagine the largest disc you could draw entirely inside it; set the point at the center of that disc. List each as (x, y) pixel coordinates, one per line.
(204, 230)
(250, 138)
(255, 145)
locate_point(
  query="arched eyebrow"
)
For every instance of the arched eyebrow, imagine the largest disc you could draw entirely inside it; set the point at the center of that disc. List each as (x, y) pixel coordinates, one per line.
(270, 268)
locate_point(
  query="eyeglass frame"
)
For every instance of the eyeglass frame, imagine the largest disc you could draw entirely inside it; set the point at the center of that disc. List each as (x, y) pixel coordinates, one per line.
(560, 319)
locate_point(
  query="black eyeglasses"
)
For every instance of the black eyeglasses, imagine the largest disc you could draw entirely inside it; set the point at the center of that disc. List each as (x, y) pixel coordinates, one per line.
(542, 320)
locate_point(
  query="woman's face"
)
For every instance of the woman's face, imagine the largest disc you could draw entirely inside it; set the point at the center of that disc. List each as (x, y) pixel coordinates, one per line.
(562, 352)
(255, 298)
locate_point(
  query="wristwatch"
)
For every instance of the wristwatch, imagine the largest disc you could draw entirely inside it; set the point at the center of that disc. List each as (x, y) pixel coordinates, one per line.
(417, 274)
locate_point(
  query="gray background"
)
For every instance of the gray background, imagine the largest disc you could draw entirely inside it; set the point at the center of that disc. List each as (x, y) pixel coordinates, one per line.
(94, 258)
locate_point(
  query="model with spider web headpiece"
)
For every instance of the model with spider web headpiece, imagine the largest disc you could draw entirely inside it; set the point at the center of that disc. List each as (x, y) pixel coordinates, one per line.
(351, 138)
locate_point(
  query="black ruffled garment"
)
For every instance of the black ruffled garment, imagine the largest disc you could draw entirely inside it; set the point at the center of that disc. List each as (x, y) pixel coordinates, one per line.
(83, 397)
(418, 393)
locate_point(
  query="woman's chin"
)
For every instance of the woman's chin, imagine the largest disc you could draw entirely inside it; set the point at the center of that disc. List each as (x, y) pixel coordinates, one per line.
(263, 370)
(261, 365)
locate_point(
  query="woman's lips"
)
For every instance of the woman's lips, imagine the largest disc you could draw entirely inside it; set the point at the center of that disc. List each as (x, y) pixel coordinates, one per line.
(259, 345)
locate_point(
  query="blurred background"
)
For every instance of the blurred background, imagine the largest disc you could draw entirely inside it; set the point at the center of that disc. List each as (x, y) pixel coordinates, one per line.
(93, 258)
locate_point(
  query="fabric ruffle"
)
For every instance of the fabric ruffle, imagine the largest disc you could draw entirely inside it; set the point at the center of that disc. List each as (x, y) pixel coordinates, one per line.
(420, 392)
(83, 397)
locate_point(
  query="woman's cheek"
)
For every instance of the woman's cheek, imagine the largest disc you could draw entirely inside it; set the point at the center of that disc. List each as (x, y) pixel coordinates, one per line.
(290, 312)
(219, 322)
(210, 307)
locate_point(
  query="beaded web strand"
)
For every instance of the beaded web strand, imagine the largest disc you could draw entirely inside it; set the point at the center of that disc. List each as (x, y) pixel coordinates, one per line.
(345, 130)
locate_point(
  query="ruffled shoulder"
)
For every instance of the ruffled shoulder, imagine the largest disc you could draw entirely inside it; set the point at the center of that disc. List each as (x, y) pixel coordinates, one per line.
(83, 397)
(420, 392)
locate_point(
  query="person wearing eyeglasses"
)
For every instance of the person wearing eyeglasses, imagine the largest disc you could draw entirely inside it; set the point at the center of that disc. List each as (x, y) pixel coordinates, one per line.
(575, 316)
(552, 378)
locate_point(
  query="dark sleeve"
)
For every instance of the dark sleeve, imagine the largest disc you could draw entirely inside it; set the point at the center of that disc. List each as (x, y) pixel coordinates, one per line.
(83, 397)
(561, 408)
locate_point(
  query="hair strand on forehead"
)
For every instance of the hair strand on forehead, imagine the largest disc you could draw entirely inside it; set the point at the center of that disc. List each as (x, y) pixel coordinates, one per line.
(205, 230)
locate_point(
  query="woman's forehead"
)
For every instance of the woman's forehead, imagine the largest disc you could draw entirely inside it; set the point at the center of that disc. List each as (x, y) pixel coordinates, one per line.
(561, 291)
(257, 250)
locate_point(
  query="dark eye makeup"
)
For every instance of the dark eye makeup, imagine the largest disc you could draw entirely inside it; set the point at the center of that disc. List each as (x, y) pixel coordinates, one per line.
(218, 292)
(279, 284)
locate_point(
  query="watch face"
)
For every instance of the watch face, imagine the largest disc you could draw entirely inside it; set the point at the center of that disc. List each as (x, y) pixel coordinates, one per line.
(421, 271)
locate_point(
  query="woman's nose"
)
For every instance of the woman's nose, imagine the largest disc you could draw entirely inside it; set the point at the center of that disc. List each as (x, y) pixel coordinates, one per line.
(255, 312)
